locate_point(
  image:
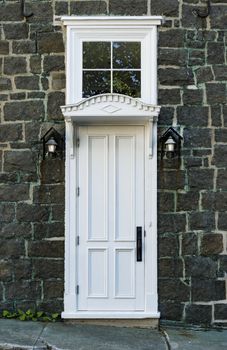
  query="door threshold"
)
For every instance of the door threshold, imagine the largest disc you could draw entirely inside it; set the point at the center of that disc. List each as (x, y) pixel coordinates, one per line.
(129, 319)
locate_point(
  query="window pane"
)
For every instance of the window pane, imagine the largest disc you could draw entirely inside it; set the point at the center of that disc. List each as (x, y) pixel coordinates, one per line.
(96, 55)
(95, 83)
(126, 55)
(127, 83)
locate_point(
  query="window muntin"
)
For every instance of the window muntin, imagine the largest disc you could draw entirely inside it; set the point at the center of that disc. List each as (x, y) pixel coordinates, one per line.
(111, 67)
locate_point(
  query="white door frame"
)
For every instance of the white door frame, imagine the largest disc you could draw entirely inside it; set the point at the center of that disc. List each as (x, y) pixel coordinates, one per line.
(123, 110)
(129, 111)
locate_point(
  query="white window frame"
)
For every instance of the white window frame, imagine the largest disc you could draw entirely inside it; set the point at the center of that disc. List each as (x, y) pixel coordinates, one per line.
(144, 111)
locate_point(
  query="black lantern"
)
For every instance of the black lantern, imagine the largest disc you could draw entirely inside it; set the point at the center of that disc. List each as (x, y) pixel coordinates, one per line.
(170, 143)
(53, 144)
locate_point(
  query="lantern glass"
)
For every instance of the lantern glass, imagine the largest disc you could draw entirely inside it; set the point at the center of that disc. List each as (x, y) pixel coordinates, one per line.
(51, 145)
(170, 145)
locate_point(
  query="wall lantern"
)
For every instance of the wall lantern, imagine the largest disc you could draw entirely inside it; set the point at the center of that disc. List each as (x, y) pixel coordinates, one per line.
(53, 144)
(170, 143)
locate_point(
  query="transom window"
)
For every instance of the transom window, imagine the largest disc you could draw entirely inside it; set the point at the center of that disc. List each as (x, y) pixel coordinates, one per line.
(111, 67)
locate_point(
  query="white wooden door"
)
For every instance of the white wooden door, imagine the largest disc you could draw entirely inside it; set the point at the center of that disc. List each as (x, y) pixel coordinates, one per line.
(110, 208)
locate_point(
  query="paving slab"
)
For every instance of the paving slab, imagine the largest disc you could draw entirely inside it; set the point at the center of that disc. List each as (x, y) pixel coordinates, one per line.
(188, 339)
(15, 334)
(62, 336)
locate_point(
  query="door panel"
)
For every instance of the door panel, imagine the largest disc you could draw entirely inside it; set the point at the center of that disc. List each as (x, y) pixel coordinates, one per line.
(110, 207)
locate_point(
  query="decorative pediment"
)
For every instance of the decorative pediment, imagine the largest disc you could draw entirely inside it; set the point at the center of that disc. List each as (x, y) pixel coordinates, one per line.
(110, 107)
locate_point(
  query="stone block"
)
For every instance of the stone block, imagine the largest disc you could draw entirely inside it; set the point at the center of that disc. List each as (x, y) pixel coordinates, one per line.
(50, 305)
(200, 267)
(21, 290)
(189, 20)
(23, 161)
(32, 213)
(220, 72)
(173, 290)
(220, 156)
(216, 116)
(5, 271)
(169, 97)
(198, 314)
(24, 47)
(216, 93)
(170, 267)
(175, 76)
(204, 290)
(5, 84)
(215, 53)
(221, 135)
(172, 311)
(32, 130)
(10, 12)
(128, 7)
(187, 201)
(171, 223)
(61, 8)
(168, 246)
(193, 97)
(7, 212)
(202, 220)
(48, 249)
(89, 8)
(27, 82)
(58, 81)
(14, 65)
(172, 56)
(53, 63)
(22, 269)
(14, 192)
(24, 110)
(35, 64)
(55, 100)
(15, 30)
(52, 171)
(220, 311)
(12, 248)
(52, 194)
(197, 137)
(216, 201)
(48, 230)
(172, 38)
(4, 47)
(195, 116)
(10, 132)
(211, 244)
(17, 96)
(189, 244)
(50, 42)
(48, 269)
(204, 74)
(218, 17)
(222, 220)
(16, 230)
(171, 180)
(42, 12)
(53, 289)
(169, 8)
(58, 212)
(166, 202)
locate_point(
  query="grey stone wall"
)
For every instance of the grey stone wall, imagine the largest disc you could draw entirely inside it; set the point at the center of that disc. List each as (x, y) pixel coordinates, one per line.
(192, 197)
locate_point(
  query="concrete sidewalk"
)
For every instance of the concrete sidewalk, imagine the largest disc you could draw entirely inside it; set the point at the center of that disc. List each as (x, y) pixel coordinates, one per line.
(18, 335)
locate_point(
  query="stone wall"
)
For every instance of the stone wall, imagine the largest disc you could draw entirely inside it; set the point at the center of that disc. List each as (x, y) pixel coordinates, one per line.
(192, 197)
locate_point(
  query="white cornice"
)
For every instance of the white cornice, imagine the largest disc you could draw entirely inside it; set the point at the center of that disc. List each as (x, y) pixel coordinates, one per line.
(109, 21)
(110, 107)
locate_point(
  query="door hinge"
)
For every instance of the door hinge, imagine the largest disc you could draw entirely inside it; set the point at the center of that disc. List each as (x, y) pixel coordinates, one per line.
(78, 191)
(78, 143)
(144, 233)
(78, 240)
(77, 289)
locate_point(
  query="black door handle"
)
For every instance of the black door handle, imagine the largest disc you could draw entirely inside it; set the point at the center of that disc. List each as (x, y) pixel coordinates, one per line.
(139, 243)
